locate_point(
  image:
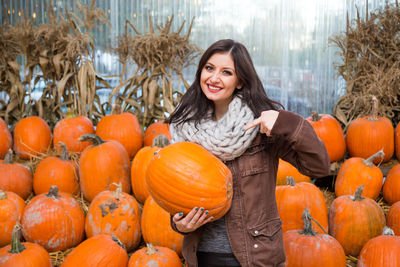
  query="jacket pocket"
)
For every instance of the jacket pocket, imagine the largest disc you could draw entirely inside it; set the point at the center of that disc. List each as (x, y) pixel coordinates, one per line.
(253, 161)
(267, 229)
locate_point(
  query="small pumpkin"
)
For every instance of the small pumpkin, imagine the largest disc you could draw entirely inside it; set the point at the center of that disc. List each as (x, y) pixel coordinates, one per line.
(355, 172)
(155, 129)
(391, 187)
(54, 220)
(301, 247)
(154, 256)
(115, 213)
(366, 135)
(103, 165)
(15, 177)
(24, 254)
(61, 172)
(383, 250)
(68, 131)
(156, 227)
(285, 170)
(32, 136)
(6, 139)
(353, 220)
(99, 250)
(187, 169)
(11, 208)
(393, 218)
(328, 129)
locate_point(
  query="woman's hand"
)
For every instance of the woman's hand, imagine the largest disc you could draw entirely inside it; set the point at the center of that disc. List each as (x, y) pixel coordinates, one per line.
(193, 220)
(266, 122)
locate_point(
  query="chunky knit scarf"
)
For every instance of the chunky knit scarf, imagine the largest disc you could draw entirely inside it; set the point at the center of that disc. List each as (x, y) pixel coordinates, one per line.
(223, 138)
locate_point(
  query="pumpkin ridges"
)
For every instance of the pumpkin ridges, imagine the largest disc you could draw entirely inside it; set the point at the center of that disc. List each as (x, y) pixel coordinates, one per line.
(154, 255)
(393, 218)
(397, 141)
(5, 137)
(11, 209)
(155, 129)
(286, 169)
(391, 187)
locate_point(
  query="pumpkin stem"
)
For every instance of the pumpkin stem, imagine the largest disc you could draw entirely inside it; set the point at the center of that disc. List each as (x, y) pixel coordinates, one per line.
(70, 114)
(387, 231)
(357, 195)
(3, 195)
(375, 108)
(369, 161)
(8, 159)
(150, 249)
(118, 189)
(16, 246)
(116, 109)
(95, 139)
(160, 141)
(64, 152)
(53, 192)
(290, 181)
(116, 240)
(315, 116)
(308, 229)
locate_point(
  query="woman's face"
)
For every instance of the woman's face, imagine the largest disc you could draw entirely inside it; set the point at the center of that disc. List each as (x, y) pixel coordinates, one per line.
(218, 79)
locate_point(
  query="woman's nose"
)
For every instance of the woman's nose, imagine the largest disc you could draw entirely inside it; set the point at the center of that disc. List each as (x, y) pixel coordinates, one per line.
(214, 78)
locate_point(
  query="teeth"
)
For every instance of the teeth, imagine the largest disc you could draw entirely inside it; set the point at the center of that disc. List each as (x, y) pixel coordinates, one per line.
(214, 88)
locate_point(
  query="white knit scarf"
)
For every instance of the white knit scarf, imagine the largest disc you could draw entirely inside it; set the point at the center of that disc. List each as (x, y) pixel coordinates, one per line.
(223, 138)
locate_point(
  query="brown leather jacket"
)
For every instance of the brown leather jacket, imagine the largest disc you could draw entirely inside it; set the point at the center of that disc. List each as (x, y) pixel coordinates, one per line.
(252, 223)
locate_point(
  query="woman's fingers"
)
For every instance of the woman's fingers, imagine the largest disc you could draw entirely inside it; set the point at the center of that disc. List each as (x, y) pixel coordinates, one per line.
(193, 220)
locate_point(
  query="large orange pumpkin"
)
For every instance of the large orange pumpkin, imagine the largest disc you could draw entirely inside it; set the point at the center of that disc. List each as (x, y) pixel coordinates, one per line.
(381, 251)
(156, 227)
(68, 131)
(185, 175)
(15, 177)
(397, 141)
(393, 218)
(369, 134)
(328, 129)
(11, 208)
(5, 139)
(154, 256)
(24, 254)
(103, 165)
(121, 127)
(391, 187)
(99, 250)
(293, 198)
(356, 171)
(311, 249)
(61, 172)
(155, 129)
(32, 136)
(117, 214)
(285, 170)
(54, 220)
(353, 220)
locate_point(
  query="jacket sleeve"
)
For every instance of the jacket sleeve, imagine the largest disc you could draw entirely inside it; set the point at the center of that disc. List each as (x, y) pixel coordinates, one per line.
(299, 145)
(173, 226)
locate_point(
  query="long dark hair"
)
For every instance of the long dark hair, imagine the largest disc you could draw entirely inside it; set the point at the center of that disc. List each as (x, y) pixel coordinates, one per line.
(194, 105)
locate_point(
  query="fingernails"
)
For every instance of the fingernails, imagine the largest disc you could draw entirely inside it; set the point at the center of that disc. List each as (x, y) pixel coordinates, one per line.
(196, 208)
(201, 209)
(242, 129)
(180, 213)
(211, 218)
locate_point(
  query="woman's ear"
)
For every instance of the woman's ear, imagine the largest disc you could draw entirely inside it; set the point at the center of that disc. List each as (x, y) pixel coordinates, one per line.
(239, 86)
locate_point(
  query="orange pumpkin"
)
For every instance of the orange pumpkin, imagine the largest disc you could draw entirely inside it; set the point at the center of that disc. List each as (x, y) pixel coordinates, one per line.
(61, 172)
(24, 254)
(393, 218)
(99, 250)
(156, 227)
(117, 214)
(54, 220)
(383, 250)
(353, 220)
(285, 170)
(121, 127)
(369, 134)
(328, 129)
(155, 129)
(397, 141)
(6, 139)
(301, 247)
(68, 131)
(11, 207)
(356, 171)
(154, 256)
(15, 177)
(187, 169)
(32, 136)
(293, 198)
(391, 187)
(102, 165)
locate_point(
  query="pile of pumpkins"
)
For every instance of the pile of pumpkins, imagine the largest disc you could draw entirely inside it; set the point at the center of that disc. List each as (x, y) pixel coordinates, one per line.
(133, 183)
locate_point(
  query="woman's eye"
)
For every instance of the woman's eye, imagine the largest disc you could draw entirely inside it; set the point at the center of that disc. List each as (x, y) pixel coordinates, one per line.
(228, 72)
(208, 67)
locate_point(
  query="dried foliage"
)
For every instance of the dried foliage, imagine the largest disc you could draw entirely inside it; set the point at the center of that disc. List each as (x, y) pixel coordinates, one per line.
(59, 54)
(370, 54)
(159, 56)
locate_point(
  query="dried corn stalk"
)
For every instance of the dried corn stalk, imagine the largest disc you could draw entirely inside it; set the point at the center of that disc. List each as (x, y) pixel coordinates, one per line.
(158, 56)
(370, 54)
